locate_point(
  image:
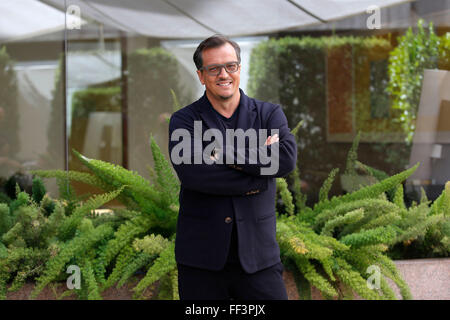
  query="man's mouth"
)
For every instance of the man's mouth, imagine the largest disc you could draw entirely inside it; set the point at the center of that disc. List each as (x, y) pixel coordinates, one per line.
(224, 84)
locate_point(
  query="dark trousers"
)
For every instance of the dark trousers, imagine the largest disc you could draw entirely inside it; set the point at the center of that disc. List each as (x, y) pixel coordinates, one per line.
(231, 283)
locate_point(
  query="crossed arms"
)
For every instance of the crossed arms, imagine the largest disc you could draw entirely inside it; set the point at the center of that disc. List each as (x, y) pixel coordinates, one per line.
(230, 179)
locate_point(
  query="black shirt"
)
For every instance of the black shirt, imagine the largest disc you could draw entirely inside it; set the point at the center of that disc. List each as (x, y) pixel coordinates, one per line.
(231, 123)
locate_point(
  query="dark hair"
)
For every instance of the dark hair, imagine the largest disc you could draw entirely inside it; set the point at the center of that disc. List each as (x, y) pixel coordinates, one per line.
(214, 41)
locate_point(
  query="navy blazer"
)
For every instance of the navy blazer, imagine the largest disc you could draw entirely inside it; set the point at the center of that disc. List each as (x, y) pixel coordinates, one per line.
(211, 193)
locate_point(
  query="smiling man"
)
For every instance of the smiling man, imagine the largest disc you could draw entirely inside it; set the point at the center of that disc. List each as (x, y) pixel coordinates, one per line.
(225, 245)
(219, 70)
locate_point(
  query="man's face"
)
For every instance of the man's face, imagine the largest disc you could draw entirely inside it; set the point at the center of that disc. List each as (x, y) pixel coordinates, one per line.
(224, 85)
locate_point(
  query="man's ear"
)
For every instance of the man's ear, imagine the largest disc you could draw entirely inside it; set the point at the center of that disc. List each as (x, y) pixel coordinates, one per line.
(200, 76)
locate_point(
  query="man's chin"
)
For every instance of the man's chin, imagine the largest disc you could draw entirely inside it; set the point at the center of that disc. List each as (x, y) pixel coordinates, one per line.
(226, 97)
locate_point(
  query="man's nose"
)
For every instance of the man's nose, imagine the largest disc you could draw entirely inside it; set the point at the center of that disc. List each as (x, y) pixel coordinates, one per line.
(223, 72)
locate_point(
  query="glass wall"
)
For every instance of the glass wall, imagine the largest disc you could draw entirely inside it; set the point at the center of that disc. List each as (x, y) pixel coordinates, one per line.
(31, 93)
(102, 78)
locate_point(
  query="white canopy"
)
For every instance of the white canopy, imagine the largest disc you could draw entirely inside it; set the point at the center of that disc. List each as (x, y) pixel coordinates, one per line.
(28, 18)
(193, 19)
(329, 10)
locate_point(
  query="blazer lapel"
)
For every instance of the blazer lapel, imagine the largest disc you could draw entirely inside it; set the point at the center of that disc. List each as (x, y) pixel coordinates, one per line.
(247, 113)
(206, 112)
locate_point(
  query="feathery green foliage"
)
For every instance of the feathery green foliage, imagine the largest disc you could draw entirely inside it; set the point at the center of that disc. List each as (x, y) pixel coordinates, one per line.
(163, 266)
(167, 182)
(84, 177)
(333, 245)
(141, 260)
(325, 189)
(77, 247)
(112, 252)
(125, 256)
(38, 190)
(68, 227)
(367, 192)
(90, 283)
(27, 236)
(347, 218)
(150, 200)
(286, 196)
(37, 228)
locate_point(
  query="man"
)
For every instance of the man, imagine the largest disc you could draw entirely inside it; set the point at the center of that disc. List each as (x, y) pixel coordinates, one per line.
(225, 246)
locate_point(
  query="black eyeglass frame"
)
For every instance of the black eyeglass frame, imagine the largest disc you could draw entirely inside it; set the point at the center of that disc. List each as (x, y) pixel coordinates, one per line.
(220, 68)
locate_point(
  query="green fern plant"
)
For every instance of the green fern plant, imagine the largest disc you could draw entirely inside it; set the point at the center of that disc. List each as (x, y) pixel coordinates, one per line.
(112, 259)
(332, 245)
(325, 252)
(27, 237)
(73, 252)
(35, 228)
(164, 267)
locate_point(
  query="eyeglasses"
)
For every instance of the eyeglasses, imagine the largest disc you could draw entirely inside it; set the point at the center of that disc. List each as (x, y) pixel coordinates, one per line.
(216, 69)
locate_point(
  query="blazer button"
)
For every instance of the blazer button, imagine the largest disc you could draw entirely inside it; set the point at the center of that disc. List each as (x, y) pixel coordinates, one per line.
(228, 220)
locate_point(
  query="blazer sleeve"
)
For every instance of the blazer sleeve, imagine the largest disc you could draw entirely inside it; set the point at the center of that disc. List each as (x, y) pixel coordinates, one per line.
(217, 179)
(285, 156)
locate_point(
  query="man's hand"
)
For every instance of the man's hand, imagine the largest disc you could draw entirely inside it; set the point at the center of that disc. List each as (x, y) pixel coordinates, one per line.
(271, 139)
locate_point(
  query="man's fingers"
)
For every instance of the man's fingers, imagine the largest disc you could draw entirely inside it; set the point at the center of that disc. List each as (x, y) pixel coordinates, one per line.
(272, 139)
(275, 137)
(267, 141)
